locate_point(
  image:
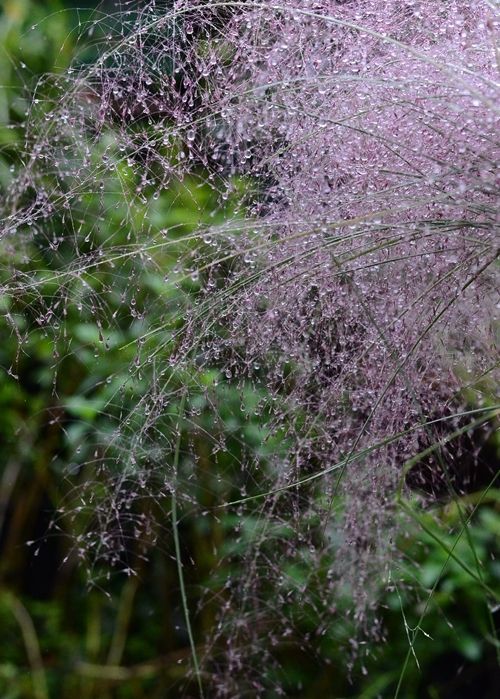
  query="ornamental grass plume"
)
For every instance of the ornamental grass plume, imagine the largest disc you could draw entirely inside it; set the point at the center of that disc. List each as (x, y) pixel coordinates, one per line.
(343, 279)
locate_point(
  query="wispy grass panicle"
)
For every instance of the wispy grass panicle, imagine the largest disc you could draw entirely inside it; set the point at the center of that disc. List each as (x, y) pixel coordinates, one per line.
(337, 272)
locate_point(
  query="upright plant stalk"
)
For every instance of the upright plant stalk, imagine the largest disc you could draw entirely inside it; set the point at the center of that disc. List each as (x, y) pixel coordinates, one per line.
(178, 549)
(32, 646)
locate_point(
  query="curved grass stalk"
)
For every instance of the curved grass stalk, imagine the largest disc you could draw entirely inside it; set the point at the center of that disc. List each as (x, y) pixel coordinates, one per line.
(493, 411)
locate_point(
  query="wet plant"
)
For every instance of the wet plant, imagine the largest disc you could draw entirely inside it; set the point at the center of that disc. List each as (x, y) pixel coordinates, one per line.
(338, 277)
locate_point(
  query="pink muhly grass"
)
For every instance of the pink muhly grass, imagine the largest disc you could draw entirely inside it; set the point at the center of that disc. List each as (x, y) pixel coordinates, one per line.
(352, 285)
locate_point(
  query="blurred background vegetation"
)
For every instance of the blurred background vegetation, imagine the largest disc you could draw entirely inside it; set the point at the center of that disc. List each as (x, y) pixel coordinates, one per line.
(62, 638)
